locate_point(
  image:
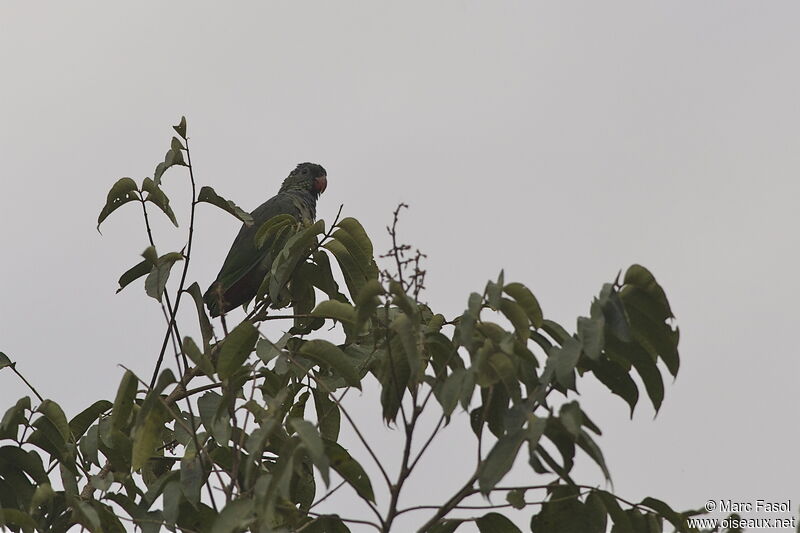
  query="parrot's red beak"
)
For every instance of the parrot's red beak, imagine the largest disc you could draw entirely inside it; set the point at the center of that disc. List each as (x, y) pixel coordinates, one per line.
(320, 184)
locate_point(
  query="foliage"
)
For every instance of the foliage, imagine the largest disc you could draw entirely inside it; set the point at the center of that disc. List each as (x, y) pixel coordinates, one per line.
(248, 449)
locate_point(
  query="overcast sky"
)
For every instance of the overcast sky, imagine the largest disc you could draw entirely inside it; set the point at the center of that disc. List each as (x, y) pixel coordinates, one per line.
(561, 141)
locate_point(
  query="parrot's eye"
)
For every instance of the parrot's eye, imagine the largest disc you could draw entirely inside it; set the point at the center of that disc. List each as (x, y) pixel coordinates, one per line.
(305, 171)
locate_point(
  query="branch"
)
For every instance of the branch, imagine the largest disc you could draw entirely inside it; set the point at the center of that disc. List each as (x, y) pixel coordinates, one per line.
(427, 442)
(13, 367)
(187, 257)
(327, 494)
(467, 490)
(348, 520)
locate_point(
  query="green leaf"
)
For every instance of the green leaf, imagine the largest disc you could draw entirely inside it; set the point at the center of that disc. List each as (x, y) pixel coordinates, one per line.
(312, 442)
(81, 422)
(403, 301)
(147, 437)
(150, 255)
(556, 331)
(156, 280)
(14, 416)
(536, 428)
(297, 248)
(173, 497)
(367, 302)
(403, 326)
(236, 348)
(68, 479)
(639, 276)
(359, 235)
(15, 517)
(192, 478)
(304, 298)
(328, 354)
(328, 415)
(215, 417)
(349, 469)
(664, 510)
(453, 389)
(645, 366)
(525, 298)
(572, 418)
(197, 357)
(500, 460)
(5, 361)
(563, 361)
(267, 350)
(591, 448)
(181, 128)
(341, 311)
(205, 324)
(158, 198)
(516, 498)
(494, 291)
(171, 158)
(272, 227)
(102, 483)
(134, 273)
(617, 380)
(123, 403)
(496, 523)
(621, 521)
(446, 525)
(48, 438)
(89, 444)
(361, 258)
(517, 316)
(122, 192)
(320, 275)
(650, 330)
(564, 513)
(353, 274)
(30, 462)
(328, 523)
(208, 195)
(53, 412)
(43, 495)
(590, 333)
(394, 375)
(234, 517)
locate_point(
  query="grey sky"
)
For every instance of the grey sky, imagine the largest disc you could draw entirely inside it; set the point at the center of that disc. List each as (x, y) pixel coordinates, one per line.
(561, 141)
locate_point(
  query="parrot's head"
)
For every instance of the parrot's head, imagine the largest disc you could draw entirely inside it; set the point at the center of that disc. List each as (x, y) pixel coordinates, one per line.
(308, 177)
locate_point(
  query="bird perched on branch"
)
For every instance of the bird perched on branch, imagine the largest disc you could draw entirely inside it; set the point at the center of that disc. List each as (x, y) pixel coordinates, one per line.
(246, 265)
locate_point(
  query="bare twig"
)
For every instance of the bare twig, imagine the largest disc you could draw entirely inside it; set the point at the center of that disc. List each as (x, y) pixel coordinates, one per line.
(328, 494)
(13, 367)
(187, 258)
(427, 442)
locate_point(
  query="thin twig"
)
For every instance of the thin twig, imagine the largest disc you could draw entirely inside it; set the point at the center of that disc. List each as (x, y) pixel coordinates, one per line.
(187, 258)
(327, 494)
(13, 367)
(449, 505)
(347, 520)
(360, 437)
(427, 443)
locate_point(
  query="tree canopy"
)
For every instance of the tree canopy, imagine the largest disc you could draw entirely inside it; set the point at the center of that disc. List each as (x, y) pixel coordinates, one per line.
(244, 434)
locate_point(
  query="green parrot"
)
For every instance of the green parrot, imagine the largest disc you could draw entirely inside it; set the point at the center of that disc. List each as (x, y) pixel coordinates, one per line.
(246, 266)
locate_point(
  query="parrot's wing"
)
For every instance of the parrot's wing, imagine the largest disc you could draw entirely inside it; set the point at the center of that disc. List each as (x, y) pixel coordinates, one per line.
(243, 256)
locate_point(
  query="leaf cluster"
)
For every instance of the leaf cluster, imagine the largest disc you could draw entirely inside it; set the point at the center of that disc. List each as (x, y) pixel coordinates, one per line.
(245, 437)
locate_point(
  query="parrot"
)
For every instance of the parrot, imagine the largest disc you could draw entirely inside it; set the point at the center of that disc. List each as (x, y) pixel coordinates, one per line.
(246, 266)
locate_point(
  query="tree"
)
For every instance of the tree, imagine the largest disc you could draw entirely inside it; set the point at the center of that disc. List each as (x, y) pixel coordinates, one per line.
(231, 444)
